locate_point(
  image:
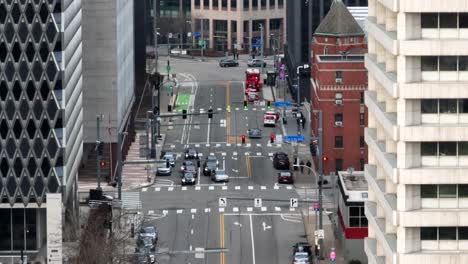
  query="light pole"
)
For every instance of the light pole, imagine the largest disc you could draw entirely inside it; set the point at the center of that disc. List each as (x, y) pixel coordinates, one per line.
(155, 34)
(261, 45)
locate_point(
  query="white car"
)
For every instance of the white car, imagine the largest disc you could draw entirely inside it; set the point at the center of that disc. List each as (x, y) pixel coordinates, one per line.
(269, 120)
(220, 176)
(301, 258)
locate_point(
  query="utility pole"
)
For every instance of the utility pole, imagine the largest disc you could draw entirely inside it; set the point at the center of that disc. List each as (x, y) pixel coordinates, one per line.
(261, 45)
(98, 151)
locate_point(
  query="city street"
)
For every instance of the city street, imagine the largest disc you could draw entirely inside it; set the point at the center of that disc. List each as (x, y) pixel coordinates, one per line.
(254, 222)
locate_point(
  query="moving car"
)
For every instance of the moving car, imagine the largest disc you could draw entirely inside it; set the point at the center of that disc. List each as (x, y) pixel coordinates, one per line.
(269, 120)
(146, 243)
(281, 161)
(302, 247)
(254, 133)
(220, 176)
(186, 163)
(212, 157)
(256, 63)
(170, 157)
(191, 153)
(252, 96)
(209, 167)
(285, 177)
(275, 114)
(188, 179)
(149, 232)
(190, 169)
(228, 63)
(162, 169)
(301, 258)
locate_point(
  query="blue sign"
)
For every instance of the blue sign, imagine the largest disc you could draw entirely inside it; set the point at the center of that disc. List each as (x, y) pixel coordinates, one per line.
(294, 138)
(279, 104)
(256, 45)
(196, 34)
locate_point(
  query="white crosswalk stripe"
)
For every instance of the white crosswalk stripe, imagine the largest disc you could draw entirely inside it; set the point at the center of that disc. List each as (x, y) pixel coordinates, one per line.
(131, 200)
(195, 211)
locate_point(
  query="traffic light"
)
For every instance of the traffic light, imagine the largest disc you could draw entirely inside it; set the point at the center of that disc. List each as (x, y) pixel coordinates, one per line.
(184, 113)
(324, 158)
(243, 138)
(272, 138)
(100, 148)
(155, 110)
(246, 104)
(103, 164)
(210, 113)
(268, 104)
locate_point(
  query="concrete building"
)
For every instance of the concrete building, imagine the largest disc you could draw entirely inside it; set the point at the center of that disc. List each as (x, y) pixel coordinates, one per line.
(302, 18)
(338, 84)
(242, 27)
(41, 131)
(417, 135)
(109, 79)
(352, 193)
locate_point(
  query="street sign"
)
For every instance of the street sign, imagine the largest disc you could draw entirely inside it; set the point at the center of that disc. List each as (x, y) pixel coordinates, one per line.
(293, 202)
(320, 233)
(170, 35)
(316, 207)
(332, 255)
(168, 89)
(294, 138)
(197, 34)
(222, 202)
(256, 45)
(283, 104)
(258, 202)
(282, 75)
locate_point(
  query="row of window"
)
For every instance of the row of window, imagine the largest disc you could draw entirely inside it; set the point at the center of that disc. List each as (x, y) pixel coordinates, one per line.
(433, 191)
(444, 20)
(339, 164)
(339, 96)
(339, 142)
(444, 106)
(448, 148)
(444, 63)
(224, 3)
(444, 233)
(357, 218)
(339, 119)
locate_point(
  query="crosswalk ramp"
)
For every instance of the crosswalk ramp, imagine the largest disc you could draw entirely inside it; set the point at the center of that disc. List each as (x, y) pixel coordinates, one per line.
(131, 200)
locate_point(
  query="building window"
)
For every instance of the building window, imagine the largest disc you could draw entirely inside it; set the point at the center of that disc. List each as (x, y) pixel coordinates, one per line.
(429, 191)
(429, 149)
(326, 51)
(444, 20)
(338, 165)
(254, 4)
(448, 63)
(215, 4)
(206, 4)
(338, 98)
(197, 4)
(444, 106)
(429, 63)
(338, 142)
(357, 217)
(447, 148)
(429, 20)
(362, 163)
(429, 106)
(339, 117)
(246, 5)
(447, 20)
(280, 3)
(263, 4)
(361, 101)
(272, 4)
(362, 142)
(224, 4)
(233, 4)
(361, 119)
(338, 74)
(428, 233)
(433, 191)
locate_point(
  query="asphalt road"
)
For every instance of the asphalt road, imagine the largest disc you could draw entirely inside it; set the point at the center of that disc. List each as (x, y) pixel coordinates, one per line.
(256, 224)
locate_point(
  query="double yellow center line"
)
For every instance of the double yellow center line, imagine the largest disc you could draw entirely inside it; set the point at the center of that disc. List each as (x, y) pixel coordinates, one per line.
(248, 166)
(228, 113)
(222, 258)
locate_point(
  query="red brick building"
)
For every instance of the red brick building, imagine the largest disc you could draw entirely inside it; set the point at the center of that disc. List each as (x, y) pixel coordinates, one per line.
(339, 79)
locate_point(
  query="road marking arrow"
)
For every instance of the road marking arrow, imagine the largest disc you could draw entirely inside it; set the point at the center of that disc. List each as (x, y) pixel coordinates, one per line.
(265, 226)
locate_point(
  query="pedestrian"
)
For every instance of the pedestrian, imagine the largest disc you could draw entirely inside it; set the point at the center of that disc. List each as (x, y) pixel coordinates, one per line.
(302, 166)
(198, 162)
(295, 163)
(309, 164)
(298, 121)
(303, 121)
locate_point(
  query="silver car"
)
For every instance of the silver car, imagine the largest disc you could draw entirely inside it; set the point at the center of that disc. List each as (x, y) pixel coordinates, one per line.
(162, 169)
(171, 157)
(301, 258)
(254, 133)
(220, 176)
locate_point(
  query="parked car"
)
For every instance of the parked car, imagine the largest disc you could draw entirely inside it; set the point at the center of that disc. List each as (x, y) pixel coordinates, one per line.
(220, 176)
(191, 153)
(209, 167)
(228, 63)
(149, 232)
(285, 177)
(281, 161)
(170, 157)
(256, 63)
(188, 179)
(146, 244)
(162, 169)
(254, 133)
(190, 169)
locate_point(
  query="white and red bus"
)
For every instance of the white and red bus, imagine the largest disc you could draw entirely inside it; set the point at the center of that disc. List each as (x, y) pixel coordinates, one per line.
(252, 80)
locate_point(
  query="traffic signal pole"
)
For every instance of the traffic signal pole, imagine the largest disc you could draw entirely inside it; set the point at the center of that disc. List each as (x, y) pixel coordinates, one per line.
(320, 154)
(98, 154)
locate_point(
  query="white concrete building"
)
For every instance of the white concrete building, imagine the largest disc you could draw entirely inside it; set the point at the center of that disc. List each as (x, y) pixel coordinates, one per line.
(418, 135)
(230, 22)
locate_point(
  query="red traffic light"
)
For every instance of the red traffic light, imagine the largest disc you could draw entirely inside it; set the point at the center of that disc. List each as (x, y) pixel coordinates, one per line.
(324, 158)
(272, 138)
(243, 138)
(103, 163)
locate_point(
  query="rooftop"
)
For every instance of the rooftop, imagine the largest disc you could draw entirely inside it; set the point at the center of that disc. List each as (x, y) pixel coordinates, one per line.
(354, 185)
(339, 22)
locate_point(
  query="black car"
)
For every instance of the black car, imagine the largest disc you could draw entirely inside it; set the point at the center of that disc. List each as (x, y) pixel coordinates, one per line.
(285, 177)
(190, 169)
(302, 247)
(281, 161)
(228, 63)
(209, 167)
(191, 153)
(188, 179)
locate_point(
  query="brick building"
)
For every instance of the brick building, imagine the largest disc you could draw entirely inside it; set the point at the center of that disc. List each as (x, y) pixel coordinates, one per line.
(339, 78)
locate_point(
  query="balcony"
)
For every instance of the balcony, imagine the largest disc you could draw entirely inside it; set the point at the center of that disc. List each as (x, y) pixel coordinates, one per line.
(377, 70)
(387, 160)
(423, 6)
(433, 90)
(434, 132)
(437, 257)
(439, 47)
(388, 241)
(388, 201)
(385, 38)
(387, 120)
(432, 175)
(433, 217)
(370, 247)
(390, 4)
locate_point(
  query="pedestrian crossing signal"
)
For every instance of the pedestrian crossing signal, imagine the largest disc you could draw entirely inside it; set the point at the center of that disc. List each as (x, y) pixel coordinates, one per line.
(210, 113)
(103, 164)
(246, 104)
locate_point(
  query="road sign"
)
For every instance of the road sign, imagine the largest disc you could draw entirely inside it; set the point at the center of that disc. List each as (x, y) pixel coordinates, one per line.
(258, 202)
(294, 138)
(282, 75)
(320, 233)
(256, 45)
(293, 202)
(170, 35)
(281, 104)
(197, 34)
(316, 207)
(332, 255)
(168, 89)
(222, 201)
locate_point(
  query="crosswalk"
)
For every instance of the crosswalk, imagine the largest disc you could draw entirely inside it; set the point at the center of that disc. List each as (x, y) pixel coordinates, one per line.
(131, 200)
(225, 210)
(212, 187)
